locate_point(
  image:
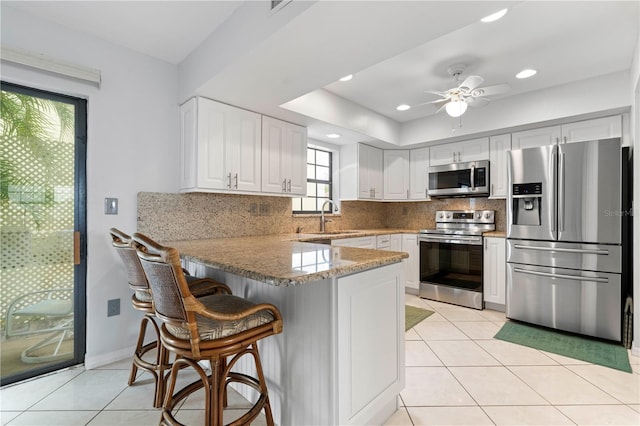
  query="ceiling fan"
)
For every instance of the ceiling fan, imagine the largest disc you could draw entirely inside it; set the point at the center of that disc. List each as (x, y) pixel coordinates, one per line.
(467, 93)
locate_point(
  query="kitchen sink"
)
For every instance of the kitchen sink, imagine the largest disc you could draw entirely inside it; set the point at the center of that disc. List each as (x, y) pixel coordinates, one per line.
(335, 232)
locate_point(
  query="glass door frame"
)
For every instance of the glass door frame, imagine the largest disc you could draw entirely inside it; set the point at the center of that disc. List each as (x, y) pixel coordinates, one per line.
(80, 229)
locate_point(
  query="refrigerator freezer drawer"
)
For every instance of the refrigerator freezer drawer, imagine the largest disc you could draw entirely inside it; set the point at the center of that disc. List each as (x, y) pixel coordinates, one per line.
(582, 302)
(590, 257)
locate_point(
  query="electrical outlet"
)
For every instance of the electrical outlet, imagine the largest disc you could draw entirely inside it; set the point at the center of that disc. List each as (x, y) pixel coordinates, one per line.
(113, 307)
(265, 209)
(110, 206)
(253, 209)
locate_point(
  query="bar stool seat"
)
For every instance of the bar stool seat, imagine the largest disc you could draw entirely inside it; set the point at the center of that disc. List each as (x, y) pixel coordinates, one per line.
(142, 300)
(218, 328)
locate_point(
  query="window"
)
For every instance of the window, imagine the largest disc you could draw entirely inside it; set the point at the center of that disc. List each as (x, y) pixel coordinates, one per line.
(319, 182)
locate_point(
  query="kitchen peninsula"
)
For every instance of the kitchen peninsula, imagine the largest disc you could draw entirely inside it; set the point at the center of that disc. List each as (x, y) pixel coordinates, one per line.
(343, 311)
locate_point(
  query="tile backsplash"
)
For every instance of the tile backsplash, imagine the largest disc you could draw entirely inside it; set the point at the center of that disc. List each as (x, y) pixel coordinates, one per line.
(169, 216)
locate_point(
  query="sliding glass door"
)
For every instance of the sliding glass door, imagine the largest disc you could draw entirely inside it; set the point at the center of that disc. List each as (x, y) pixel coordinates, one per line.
(42, 232)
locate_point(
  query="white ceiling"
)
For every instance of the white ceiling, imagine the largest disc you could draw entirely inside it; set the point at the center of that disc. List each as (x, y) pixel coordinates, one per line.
(395, 50)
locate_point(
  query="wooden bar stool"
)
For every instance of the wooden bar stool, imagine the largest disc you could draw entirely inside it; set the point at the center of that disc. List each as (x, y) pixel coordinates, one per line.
(142, 301)
(207, 328)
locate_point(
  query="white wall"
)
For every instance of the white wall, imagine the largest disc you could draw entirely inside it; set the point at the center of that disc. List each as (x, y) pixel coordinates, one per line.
(133, 130)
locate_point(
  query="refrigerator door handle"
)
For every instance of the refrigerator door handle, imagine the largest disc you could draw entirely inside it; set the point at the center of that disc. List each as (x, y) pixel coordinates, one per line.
(562, 276)
(551, 214)
(562, 250)
(561, 192)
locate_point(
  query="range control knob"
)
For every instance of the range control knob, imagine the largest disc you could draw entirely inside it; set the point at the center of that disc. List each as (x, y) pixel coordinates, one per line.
(441, 215)
(448, 215)
(478, 215)
(487, 215)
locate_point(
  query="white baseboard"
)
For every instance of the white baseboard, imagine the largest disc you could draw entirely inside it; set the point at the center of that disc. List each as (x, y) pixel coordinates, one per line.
(635, 348)
(91, 362)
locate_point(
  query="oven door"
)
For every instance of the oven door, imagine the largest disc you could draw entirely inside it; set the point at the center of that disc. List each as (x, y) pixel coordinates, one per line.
(452, 261)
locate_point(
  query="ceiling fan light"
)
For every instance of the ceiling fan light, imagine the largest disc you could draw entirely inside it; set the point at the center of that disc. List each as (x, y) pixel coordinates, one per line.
(347, 77)
(526, 73)
(494, 16)
(456, 108)
(403, 107)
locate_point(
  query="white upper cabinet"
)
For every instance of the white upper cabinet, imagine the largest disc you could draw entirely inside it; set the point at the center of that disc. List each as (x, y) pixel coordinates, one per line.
(579, 131)
(418, 173)
(284, 157)
(220, 147)
(498, 147)
(471, 150)
(369, 172)
(360, 172)
(536, 137)
(598, 128)
(396, 174)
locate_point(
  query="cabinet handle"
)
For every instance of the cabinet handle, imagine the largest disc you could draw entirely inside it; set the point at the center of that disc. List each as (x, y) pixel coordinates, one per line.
(236, 180)
(565, 139)
(485, 244)
(284, 185)
(557, 140)
(491, 189)
(407, 194)
(454, 157)
(229, 184)
(289, 185)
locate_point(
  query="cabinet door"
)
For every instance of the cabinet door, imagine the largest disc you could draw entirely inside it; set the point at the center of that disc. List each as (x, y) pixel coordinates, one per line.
(419, 173)
(536, 137)
(296, 163)
(587, 130)
(499, 145)
(442, 154)
(211, 144)
(395, 242)
(473, 150)
(188, 144)
(396, 174)
(412, 264)
(495, 269)
(243, 149)
(273, 146)
(369, 172)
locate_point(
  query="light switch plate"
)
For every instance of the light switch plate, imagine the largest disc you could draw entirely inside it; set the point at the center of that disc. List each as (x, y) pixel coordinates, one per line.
(110, 206)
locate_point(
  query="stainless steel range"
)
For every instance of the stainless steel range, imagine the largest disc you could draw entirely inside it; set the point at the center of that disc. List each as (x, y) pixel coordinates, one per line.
(451, 257)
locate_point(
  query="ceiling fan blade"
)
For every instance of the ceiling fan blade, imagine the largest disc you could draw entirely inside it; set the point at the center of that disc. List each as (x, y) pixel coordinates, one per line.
(491, 90)
(471, 82)
(436, 92)
(436, 102)
(477, 102)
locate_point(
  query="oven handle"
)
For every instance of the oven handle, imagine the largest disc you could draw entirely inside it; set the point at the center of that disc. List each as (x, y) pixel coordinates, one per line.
(473, 177)
(452, 239)
(562, 276)
(561, 250)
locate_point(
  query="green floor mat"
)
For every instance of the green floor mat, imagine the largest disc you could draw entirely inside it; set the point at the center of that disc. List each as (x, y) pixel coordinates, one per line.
(413, 316)
(566, 344)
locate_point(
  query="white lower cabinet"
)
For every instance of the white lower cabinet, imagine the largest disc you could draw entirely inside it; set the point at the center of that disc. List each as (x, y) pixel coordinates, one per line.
(495, 271)
(412, 264)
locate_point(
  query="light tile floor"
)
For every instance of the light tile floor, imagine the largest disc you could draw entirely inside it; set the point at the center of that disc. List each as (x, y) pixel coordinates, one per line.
(456, 374)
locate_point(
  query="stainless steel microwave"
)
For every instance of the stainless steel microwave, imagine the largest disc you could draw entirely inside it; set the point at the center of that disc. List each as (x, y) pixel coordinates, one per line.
(459, 180)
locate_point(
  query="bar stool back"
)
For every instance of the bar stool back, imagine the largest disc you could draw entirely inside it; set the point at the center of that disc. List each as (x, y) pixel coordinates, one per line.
(208, 328)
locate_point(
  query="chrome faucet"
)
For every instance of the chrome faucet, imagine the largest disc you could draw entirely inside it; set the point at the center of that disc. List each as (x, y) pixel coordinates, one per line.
(323, 221)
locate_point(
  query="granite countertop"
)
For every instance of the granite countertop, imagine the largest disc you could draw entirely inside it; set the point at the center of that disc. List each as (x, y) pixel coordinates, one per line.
(284, 260)
(500, 234)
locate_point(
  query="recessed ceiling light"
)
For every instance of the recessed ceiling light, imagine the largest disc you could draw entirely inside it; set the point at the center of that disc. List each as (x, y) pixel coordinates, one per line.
(333, 135)
(347, 77)
(403, 107)
(494, 16)
(526, 73)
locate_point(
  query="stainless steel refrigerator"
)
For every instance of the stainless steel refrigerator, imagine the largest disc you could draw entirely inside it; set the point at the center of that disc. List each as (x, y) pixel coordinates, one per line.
(564, 253)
